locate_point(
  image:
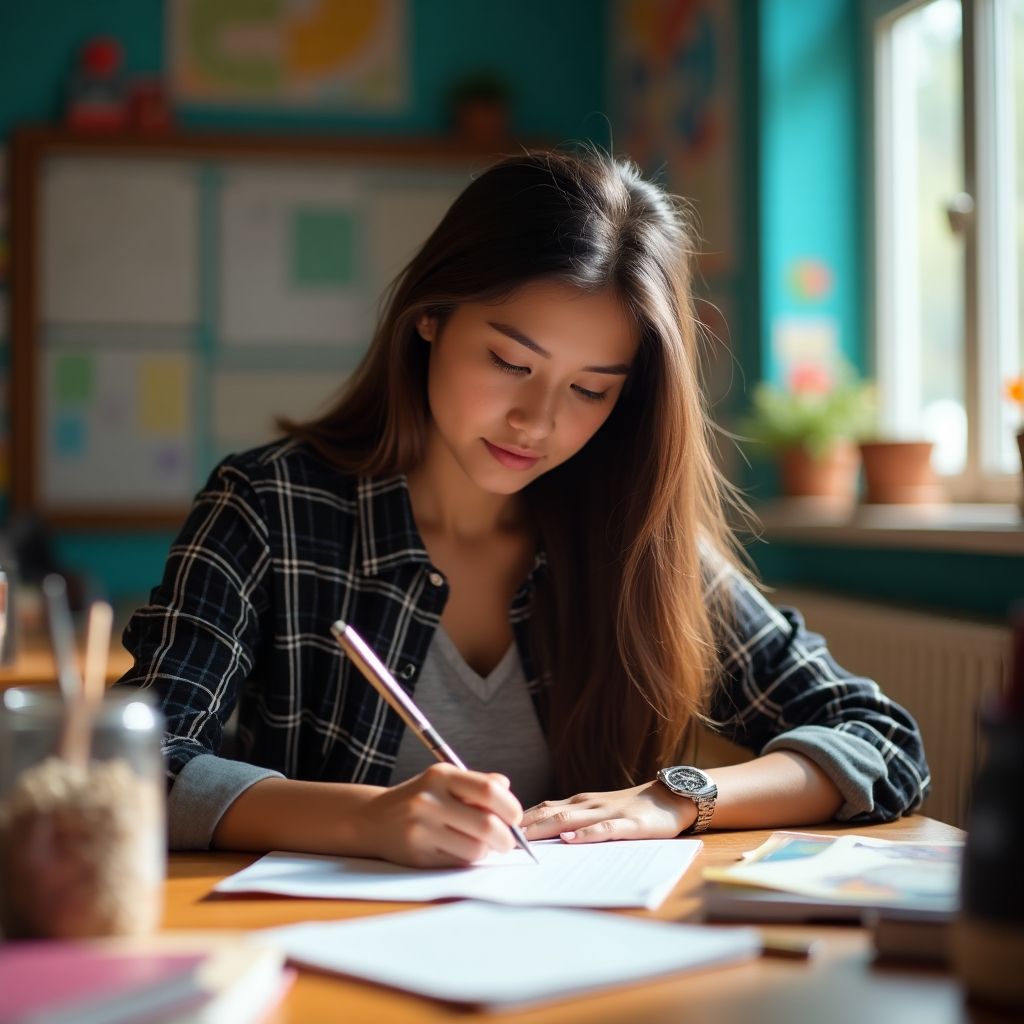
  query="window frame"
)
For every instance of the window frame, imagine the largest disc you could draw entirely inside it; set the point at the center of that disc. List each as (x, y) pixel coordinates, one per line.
(982, 180)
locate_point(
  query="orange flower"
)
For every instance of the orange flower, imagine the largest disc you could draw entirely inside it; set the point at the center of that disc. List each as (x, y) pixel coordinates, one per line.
(810, 379)
(1014, 390)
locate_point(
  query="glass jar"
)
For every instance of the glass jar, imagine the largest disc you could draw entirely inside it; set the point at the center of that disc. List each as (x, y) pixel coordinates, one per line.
(82, 838)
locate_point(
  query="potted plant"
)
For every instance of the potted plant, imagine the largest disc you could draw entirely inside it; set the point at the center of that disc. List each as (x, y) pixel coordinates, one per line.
(813, 425)
(479, 105)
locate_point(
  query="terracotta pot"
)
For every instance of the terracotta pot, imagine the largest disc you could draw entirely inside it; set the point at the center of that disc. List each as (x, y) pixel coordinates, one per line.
(482, 121)
(832, 475)
(899, 473)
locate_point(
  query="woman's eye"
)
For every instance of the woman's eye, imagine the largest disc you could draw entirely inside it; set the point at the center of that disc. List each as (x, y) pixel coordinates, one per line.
(590, 396)
(507, 367)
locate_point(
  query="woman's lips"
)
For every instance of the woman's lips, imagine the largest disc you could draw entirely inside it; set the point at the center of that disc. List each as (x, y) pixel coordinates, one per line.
(510, 459)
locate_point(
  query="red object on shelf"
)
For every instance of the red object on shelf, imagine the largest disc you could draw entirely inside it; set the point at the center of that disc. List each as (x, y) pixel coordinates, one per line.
(149, 110)
(97, 98)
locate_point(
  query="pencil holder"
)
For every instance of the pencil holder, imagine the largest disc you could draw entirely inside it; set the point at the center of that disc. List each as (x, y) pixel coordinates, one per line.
(82, 827)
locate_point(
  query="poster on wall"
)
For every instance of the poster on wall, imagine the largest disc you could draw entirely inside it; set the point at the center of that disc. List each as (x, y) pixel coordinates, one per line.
(328, 55)
(675, 69)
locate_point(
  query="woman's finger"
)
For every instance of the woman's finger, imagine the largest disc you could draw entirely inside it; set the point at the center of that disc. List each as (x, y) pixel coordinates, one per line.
(481, 790)
(604, 831)
(443, 794)
(566, 819)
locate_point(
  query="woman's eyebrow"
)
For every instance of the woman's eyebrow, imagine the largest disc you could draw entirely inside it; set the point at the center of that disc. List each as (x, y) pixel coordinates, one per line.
(617, 369)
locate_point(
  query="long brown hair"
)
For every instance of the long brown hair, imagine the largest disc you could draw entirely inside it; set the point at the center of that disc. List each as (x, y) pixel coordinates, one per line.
(621, 624)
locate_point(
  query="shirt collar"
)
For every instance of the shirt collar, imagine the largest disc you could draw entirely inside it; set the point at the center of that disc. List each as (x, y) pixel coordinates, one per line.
(387, 529)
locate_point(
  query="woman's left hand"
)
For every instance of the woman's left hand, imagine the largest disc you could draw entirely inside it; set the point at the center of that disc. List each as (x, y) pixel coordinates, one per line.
(649, 811)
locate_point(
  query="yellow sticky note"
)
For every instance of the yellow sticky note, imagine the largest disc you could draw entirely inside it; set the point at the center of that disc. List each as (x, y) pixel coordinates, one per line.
(162, 396)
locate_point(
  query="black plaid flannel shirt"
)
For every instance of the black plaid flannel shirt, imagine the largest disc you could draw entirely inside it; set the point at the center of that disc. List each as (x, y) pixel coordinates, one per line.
(280, 544)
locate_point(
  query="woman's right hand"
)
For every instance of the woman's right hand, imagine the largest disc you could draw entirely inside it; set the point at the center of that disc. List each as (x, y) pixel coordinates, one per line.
(443, 817)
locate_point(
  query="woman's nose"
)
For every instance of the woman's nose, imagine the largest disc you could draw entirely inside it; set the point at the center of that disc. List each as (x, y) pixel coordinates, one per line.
(534, 413)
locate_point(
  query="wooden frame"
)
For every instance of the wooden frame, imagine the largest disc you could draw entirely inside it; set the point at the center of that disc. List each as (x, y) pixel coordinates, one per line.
(33, 147)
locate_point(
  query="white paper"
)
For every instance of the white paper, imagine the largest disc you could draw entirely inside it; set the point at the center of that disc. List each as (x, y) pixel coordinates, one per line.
(637, 873)
(484, 954)
(118, 428)
(245, 403)
(262, 300)
(120, 242)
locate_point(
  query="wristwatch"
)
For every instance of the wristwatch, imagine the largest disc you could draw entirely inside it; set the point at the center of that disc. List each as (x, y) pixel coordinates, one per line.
(695, 784)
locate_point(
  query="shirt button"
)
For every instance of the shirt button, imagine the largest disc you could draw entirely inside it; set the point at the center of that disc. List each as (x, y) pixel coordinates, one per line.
(436, 579)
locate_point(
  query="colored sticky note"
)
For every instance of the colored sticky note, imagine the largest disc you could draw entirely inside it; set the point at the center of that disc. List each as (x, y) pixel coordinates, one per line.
(168, 460)
(69, 435)
(162, 396)
(74, 379)
(323, 248)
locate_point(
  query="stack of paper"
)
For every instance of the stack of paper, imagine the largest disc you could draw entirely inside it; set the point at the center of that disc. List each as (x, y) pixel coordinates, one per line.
(625, 874)
(488, 955)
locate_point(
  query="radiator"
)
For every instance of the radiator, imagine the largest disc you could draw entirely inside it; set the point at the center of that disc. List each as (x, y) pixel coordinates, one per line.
(936, 666)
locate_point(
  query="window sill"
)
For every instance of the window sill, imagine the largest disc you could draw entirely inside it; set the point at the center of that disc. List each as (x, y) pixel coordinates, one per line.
(981, 529)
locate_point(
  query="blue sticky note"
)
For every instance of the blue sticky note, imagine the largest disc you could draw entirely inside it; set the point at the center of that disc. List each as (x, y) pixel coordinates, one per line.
(69, 436)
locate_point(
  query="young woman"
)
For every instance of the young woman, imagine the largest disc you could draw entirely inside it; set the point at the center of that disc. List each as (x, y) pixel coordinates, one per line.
(514, 503)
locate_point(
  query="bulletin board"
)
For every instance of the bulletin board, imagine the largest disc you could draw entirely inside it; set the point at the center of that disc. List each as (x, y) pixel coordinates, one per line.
(173, 296)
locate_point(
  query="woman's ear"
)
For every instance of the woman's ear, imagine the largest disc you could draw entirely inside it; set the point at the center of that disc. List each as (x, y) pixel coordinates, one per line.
(426, 326)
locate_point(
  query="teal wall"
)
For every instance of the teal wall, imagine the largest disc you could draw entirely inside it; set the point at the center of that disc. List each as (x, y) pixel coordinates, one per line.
(951, 581)
(810, 105)
(551, 54)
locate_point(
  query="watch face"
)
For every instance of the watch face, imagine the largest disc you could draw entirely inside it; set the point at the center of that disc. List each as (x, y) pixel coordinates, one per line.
(686, 780)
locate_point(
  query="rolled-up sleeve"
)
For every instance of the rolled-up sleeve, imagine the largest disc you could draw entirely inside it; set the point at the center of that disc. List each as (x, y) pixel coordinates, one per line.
(781, 689)
(204, 789)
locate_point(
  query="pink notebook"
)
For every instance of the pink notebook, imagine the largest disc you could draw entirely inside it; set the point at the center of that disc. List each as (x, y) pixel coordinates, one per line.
(65, 983)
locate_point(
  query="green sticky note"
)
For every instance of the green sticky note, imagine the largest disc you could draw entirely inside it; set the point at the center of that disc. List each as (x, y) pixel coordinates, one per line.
(323, 248)
(74, 379)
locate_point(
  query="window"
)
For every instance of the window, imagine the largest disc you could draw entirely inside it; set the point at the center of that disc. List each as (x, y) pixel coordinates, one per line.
(949, 201)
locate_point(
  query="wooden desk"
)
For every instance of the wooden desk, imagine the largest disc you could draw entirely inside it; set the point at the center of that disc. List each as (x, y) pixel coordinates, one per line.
(839, 985)
(35, 666)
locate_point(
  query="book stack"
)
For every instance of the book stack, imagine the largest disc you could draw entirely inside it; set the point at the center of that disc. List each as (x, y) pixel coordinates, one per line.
(906, 892)
(167, 979)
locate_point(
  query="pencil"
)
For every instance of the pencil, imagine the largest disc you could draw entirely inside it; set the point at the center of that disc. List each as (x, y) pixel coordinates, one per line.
(385, 684)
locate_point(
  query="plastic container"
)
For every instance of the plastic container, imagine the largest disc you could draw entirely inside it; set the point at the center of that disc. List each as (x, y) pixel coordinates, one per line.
(82, 842)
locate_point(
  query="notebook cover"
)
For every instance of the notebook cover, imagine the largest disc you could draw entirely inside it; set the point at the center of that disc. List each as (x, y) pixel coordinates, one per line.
(53, 982)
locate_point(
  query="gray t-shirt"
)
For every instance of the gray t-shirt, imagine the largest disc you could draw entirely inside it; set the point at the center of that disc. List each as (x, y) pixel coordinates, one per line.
(490, 722)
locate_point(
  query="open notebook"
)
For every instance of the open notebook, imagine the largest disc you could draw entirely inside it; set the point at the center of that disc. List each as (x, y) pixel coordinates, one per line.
(488, 955)
(631, 873)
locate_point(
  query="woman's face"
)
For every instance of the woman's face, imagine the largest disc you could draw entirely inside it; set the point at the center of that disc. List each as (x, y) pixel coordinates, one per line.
(519, 386)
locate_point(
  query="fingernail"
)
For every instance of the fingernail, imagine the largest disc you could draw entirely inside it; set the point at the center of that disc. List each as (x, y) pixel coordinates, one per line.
(567, 836)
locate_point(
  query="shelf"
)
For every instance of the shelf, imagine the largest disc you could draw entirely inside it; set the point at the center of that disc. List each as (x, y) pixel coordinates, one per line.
(979, 529)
